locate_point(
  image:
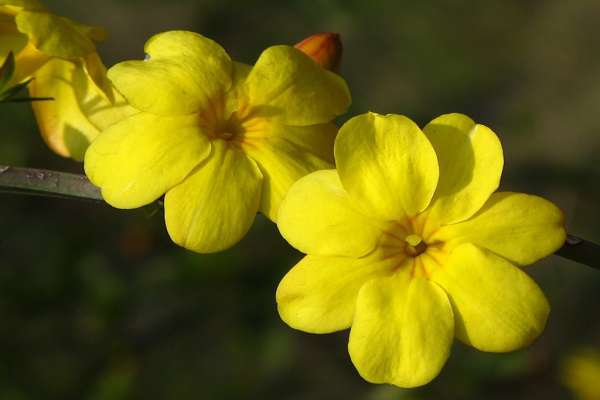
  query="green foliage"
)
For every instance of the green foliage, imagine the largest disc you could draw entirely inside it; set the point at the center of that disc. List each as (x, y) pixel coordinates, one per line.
(7, 70)
(8, 92)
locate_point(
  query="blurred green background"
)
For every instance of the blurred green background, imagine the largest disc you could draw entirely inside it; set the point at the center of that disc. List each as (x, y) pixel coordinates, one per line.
(97, 303)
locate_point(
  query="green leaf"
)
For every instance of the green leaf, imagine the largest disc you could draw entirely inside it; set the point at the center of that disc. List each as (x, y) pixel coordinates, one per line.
(26, 99)
(12, 91)
(7, 70)
(8, 95)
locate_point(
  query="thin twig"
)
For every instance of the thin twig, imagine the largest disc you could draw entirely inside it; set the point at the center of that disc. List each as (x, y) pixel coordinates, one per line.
(581, 251)
(40, 182)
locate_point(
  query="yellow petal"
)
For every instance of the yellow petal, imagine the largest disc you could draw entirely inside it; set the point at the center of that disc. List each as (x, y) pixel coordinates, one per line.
(286, 84)
(137, 160)
(386, 164)
(96, 71)
(470, 160)
(580, 372)
(54, 35)
(18, 5)
(213, 208)
(63, 126)
(317, 217)
(520, 227)
(287, 153)
(10, 39)
(402, 331)
(101, 103)
(498, 308)
(318, 295)
(238, 81)
(27, 58)
(96, 33)
(27, 62)
(78, 111)
(186, 73)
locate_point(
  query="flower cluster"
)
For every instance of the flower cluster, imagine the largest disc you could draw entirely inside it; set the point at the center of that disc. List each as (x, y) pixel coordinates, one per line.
(408, 242)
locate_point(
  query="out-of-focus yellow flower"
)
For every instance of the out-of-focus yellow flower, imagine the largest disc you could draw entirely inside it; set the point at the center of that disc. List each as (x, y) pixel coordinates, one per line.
(409, 246)
(80, 109)
(222, 139)
(60, 55)
(581, 373)
(35, 36)
(325, 48)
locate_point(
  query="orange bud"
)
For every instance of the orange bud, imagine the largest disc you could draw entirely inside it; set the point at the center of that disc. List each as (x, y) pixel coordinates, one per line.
(325, 48)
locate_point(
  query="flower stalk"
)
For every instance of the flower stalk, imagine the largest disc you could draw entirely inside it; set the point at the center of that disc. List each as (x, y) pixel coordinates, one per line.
(46, 183)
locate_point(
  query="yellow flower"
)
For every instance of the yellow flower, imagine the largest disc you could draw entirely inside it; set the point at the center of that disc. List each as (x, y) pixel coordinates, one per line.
(35, 36)
(222, 139)
(408, 245)
(80, 109)
(581, 373)
(60, 55)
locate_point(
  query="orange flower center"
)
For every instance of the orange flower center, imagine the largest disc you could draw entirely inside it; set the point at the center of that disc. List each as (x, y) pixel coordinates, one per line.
(409, 239)
(239, 128)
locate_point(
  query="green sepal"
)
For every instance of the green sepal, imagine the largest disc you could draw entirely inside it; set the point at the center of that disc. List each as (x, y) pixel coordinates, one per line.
(8, 95)
(7, 70)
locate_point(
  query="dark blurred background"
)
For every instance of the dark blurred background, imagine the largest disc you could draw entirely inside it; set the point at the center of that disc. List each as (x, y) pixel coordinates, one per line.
(97, 303)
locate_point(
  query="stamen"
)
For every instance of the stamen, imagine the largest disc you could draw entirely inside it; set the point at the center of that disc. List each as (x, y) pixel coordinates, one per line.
(415, 245)
(413, 240)
(229, 130)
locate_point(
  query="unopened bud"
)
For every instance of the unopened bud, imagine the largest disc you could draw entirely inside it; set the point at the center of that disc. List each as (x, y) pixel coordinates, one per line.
(325, 48)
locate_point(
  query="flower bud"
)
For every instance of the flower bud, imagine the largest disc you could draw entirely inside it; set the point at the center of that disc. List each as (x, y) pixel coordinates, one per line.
(325, 48)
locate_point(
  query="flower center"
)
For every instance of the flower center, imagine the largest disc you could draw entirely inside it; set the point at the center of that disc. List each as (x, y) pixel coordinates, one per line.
(415, 245)
(238, 127)
(229, 129)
